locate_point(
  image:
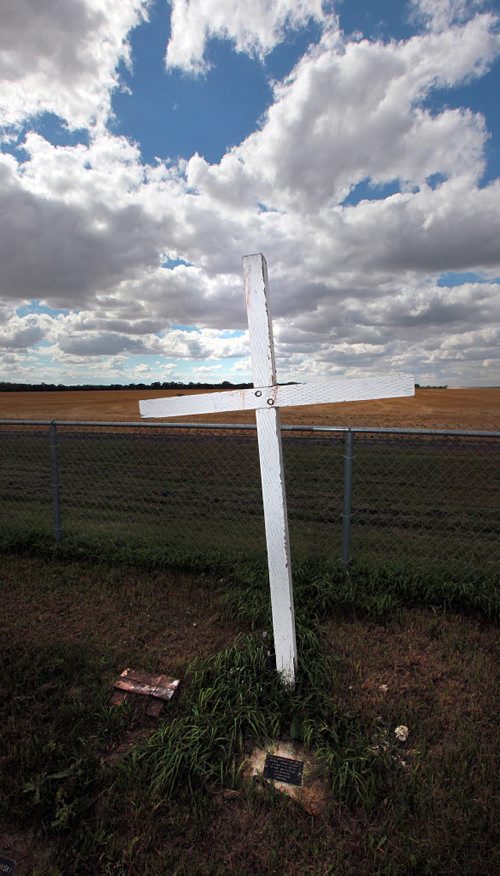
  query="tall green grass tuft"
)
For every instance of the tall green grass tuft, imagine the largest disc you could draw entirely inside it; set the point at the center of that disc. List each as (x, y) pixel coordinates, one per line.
(322, 588)
(236, 701)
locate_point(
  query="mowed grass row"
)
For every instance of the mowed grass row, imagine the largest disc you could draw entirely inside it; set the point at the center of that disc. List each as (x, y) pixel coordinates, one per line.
(90, 788)
(420, 506)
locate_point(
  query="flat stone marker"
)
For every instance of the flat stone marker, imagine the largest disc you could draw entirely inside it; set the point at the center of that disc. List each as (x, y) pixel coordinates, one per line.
(290, 761)
(265, 399)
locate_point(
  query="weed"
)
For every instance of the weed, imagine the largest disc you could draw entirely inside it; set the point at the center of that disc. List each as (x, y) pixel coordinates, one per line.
(396, 807)
(49, 771)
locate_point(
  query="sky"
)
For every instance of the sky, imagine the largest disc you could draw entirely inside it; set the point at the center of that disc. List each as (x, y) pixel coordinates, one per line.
(146, 146)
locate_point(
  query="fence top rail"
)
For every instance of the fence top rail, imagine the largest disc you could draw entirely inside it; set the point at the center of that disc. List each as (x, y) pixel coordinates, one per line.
(385, 430)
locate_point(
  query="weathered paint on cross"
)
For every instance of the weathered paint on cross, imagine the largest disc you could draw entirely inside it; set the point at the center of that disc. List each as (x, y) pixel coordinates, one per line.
(272, 472)
(266, 398)
(329, 391)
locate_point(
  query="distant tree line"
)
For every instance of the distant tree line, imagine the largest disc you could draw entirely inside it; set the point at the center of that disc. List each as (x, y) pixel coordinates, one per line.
(6, 386)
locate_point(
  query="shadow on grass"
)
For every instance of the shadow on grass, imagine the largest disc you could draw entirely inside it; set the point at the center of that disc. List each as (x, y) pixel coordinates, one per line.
(424, 808)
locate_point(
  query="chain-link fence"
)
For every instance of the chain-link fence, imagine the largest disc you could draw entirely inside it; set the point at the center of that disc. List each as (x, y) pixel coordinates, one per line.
(411, 500)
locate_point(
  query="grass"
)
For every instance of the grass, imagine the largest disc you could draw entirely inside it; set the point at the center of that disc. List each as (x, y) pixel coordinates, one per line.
(320, 585)
(57, 691)
(161, 567)
(177, 802)
(423, 507)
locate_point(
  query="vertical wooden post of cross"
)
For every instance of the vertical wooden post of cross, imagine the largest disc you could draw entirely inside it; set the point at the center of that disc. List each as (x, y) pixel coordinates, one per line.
(271, 465)
(265, 399)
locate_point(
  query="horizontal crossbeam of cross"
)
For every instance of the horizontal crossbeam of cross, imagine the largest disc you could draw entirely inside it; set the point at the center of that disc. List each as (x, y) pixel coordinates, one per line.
(340, 389)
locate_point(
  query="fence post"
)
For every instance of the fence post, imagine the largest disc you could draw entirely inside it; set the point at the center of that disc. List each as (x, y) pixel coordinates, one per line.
(54, 468)
(346, 505)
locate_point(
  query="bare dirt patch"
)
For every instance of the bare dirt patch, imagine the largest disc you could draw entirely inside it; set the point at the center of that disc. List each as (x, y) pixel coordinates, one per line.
(29, 853)
(434, 673)
(472, 408)
(154, 620)
(122, 616)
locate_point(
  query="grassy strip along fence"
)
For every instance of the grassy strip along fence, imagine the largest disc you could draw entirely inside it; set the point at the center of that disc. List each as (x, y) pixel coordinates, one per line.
(416, 503)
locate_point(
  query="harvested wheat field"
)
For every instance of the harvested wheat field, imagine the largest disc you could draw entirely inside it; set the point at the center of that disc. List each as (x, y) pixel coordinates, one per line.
(473, 408)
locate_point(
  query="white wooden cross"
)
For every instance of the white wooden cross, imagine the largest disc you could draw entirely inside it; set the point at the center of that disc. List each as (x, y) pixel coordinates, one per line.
(265, 399)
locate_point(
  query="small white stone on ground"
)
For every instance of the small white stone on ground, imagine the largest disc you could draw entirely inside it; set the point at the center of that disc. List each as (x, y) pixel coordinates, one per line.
(401, 732)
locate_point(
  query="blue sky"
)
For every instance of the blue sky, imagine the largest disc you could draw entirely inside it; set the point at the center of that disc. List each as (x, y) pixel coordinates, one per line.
(147, 146)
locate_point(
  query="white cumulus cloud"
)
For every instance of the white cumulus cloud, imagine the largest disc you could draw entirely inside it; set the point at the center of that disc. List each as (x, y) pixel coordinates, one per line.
(354, 110)
(61, 56)
(254, 28)
(91, 229)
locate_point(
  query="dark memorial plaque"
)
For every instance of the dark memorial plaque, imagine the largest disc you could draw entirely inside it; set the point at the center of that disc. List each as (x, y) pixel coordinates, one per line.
(283, 769)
